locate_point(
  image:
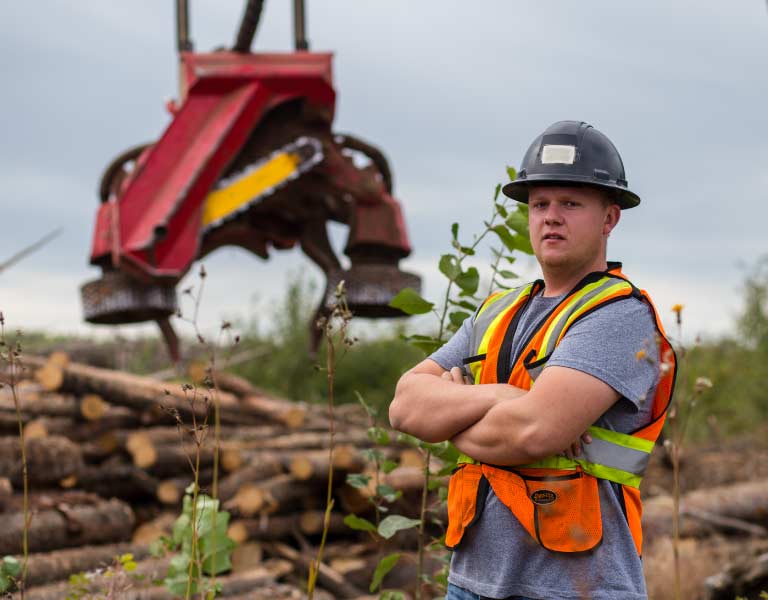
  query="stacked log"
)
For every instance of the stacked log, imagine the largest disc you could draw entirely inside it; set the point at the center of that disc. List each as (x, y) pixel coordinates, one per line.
(110, 456)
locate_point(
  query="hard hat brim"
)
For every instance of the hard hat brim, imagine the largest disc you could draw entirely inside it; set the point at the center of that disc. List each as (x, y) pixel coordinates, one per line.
(518, 189)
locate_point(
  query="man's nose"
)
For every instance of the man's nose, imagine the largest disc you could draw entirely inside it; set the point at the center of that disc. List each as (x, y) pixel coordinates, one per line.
(553, 216)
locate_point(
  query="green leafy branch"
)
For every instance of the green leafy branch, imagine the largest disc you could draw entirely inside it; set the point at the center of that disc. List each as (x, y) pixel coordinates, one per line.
(199, 538)
(510, 226)
(385, 528)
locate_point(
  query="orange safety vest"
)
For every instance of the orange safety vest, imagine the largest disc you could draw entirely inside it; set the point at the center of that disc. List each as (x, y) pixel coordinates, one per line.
(556, 499)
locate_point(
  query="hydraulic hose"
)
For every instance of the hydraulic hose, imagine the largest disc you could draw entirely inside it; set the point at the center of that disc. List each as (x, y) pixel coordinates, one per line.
(377, 156)
(248, 25)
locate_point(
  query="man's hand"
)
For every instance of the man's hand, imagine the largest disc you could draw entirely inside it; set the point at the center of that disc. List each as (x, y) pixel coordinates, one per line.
(456, 375)
(574, 450)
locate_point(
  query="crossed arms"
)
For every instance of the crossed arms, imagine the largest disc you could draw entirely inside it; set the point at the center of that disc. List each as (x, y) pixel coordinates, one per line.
(499, 423)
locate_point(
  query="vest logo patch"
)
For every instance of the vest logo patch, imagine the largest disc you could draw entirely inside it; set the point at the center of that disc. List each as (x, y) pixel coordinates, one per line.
(543, 497)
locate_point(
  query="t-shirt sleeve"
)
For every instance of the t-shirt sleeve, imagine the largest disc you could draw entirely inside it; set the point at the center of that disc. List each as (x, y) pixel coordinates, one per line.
(455, 349)
(605, 344)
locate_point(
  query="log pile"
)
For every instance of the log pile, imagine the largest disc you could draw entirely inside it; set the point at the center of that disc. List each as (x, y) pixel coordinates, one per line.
(110, 454)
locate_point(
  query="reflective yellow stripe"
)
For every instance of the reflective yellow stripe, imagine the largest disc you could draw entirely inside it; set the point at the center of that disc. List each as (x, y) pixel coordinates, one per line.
(483, 347)
(493, 299)
(622, 439)
(246, 187)
(552, 462)
(475, 369)
(601, 471)
(463, 458)
(611, 474)
(563, 311)
(593, 302)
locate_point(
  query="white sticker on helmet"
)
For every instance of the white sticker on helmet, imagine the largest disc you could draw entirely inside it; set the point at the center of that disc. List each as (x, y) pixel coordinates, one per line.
(553, 154)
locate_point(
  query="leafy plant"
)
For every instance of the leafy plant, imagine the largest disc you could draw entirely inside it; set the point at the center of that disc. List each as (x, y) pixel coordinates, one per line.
(111, 582)
(199, 537)
(383, 527)
(9, 569)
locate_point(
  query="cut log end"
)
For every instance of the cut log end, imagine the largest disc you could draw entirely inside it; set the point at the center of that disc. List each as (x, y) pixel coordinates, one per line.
(231, 459)
(301, 467)
(69, 482)
(50, 377)
(168, 492)
(59, 359)
(141, 449)
(249, 499)
(35, 429)
(93, 407)
(238, 532)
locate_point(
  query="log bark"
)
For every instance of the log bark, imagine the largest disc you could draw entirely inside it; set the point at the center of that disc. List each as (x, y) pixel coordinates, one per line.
(166, 460)
(35, 402)
(116, 479)
(68, 525)
(280, 527)
(239, 386)
(57, 565)
(153, 569)
(302, 440)
(327, 577)
(143, 393)
(291, 414)
(278, 493)
(235, 438)
(269, 465)
(117, 584)
(9, 424)
(746, 578)
(285, 591)
(742, 501)
(49, 460)
(314, 464)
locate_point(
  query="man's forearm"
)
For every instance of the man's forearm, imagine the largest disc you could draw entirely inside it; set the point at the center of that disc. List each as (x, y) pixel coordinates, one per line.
(436, 409)
(502, 436)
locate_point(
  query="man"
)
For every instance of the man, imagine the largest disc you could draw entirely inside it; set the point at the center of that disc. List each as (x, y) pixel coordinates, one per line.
(578, 355)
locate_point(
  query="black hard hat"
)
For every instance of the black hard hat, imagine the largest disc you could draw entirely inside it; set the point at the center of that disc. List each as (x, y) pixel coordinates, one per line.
(568, 153)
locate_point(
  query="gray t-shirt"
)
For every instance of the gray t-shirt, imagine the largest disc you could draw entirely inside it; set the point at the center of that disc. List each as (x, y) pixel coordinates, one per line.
(497, 557)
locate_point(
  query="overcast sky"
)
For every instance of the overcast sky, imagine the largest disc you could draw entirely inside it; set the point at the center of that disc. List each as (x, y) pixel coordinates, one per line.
(451, 91)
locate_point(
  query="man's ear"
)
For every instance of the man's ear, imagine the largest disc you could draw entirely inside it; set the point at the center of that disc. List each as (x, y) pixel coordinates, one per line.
(612, 216)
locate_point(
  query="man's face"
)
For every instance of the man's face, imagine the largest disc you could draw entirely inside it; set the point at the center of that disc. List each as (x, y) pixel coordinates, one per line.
(569, 226)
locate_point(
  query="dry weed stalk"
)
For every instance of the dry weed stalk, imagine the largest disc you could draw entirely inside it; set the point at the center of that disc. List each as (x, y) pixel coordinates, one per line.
(199, 431)
(685, 398)
(10, 354)
(334, 327)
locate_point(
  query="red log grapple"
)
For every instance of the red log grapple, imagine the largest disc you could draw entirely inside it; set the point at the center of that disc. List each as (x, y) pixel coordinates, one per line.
(249, 159)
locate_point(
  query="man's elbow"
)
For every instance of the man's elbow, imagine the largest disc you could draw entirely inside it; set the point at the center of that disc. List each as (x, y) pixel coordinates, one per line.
(404, 415)
(398, 406)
